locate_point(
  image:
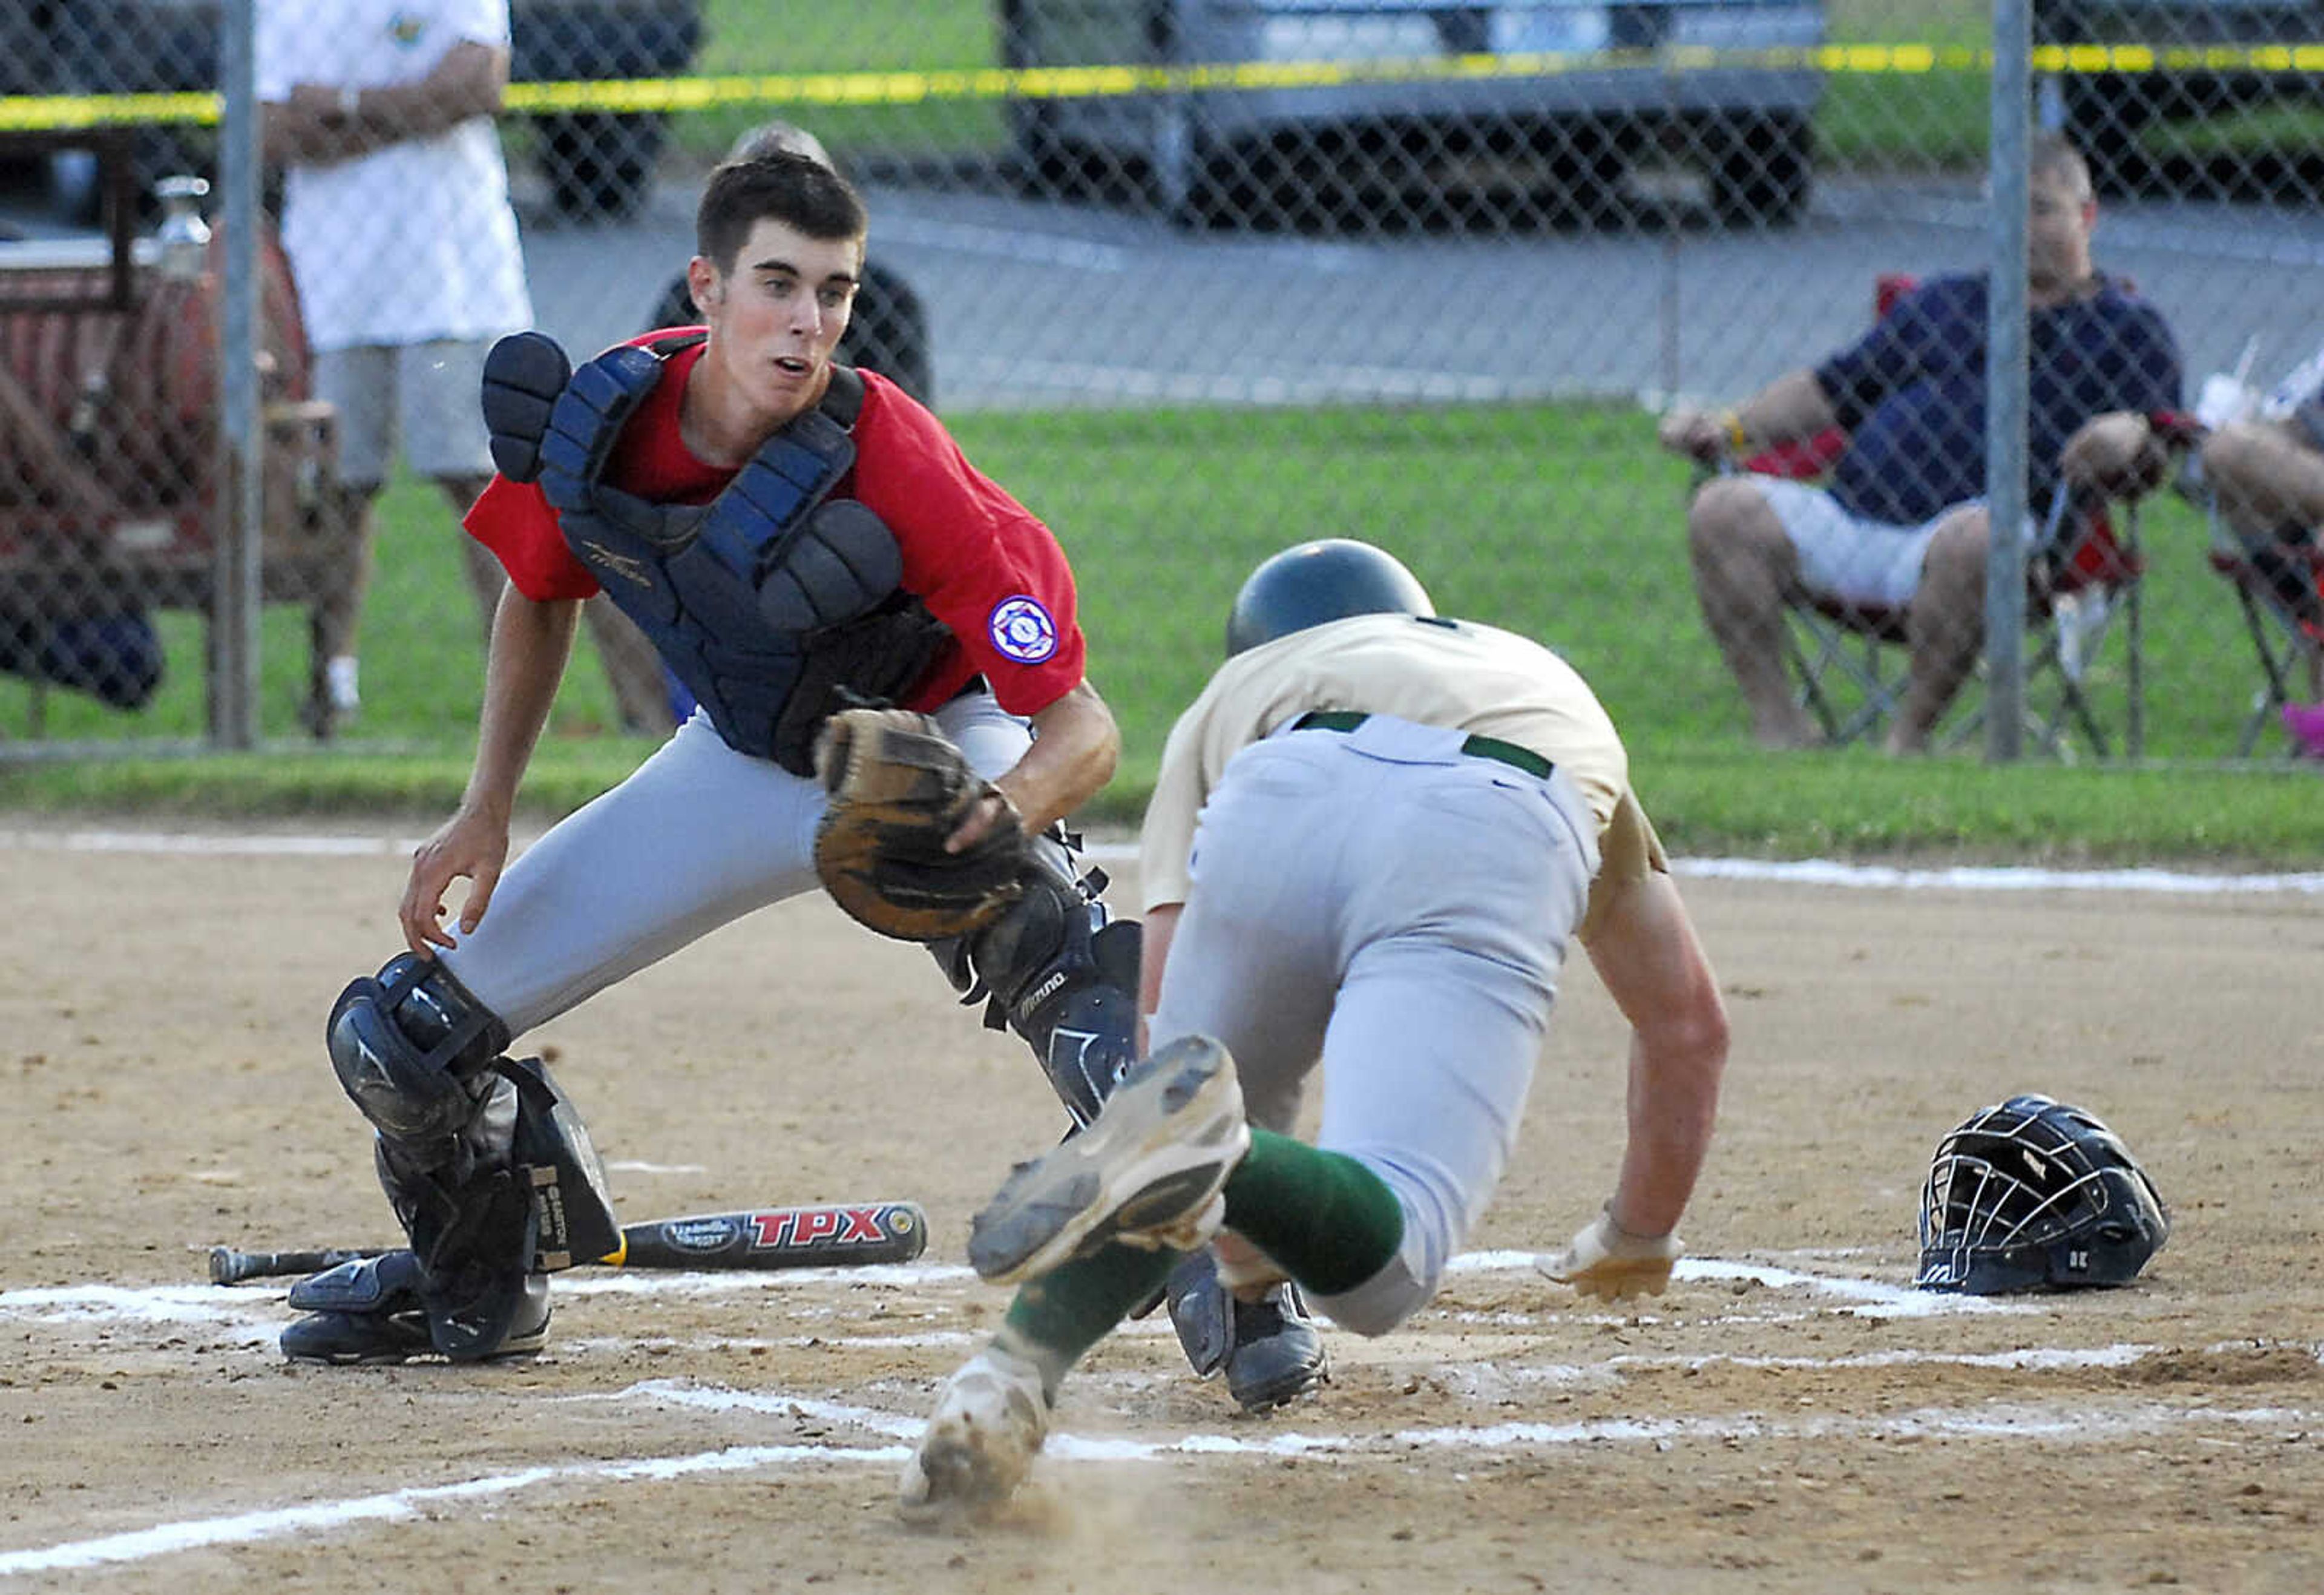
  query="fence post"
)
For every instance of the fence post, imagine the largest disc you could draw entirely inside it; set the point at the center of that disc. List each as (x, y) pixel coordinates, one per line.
(2004, 383)
(234, 586)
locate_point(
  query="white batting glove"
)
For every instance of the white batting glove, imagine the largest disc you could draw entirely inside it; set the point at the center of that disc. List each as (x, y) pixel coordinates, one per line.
(1607, 1261)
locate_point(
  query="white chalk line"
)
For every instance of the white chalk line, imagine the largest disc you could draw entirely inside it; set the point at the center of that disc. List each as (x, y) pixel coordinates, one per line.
(1797, 873)
(248, 1527)
(254, 1318)
(253, 1314)
(2079, 1422)
(201, 1305)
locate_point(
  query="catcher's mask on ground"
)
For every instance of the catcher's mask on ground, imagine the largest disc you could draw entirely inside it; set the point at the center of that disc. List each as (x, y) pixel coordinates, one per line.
(1316, 581)
(2032, 1193)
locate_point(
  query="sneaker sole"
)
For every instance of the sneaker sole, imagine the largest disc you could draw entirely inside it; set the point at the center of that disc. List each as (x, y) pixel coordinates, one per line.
(1288, 1384)
(383, 1354)
(1129, 1178)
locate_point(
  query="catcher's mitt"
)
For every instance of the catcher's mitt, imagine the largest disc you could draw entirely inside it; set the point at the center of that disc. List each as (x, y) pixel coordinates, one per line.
(898, 786)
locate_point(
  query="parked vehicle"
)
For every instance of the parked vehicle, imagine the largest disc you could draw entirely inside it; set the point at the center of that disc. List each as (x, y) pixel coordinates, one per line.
(597, 163)
(1746, 126)
(2107, 113)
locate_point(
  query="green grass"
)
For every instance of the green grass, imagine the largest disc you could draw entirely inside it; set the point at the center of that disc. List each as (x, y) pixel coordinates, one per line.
(1881, 122)
(1560, 521)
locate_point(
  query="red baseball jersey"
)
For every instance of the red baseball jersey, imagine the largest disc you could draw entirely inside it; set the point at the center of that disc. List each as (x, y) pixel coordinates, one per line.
(982, 563)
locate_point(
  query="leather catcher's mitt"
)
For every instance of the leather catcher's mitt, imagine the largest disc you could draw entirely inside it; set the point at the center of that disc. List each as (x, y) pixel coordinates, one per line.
(898, 786)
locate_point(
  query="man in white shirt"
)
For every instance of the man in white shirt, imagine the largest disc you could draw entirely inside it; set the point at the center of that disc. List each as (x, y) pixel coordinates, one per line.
(397, 222)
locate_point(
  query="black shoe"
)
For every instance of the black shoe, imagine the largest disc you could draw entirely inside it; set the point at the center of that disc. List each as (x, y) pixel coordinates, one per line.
(348, 1339)
(370, 1311)
(1269, 1349)
(508, 1319)
(1278, 1353)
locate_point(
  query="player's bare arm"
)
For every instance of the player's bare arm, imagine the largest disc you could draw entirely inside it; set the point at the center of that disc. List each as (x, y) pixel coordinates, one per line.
(531, 641)
(322, 122)
(1075, 746)
(1644, 950)
(1792, 406)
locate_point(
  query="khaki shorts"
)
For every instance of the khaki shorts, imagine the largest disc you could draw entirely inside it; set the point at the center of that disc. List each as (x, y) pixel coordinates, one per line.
(425, 394)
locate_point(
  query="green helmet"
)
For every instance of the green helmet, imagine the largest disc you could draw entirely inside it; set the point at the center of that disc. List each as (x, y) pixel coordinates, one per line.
(1316, 581)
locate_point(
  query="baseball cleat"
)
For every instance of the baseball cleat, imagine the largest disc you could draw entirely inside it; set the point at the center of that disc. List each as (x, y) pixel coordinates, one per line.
(371, 1311)
(1151, 1171)
(349, 1339)
(1270, 1348)
(989, 1423)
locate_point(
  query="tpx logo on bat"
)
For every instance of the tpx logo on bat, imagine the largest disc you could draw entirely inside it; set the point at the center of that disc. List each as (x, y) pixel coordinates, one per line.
(777, 1229)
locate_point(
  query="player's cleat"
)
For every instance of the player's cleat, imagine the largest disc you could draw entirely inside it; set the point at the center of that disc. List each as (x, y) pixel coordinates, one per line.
(346, 1339)
(370, 1311)
(1278, 1353)
(989, 1423)
(1270, 1348)
(1149, 1172)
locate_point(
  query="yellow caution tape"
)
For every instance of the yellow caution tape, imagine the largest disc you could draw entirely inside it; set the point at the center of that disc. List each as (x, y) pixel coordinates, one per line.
(56, 113)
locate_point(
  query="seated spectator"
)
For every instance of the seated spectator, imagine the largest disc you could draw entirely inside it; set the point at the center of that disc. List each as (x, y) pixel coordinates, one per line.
(2267, 475)
(113, 655)
(887, 332)
(1903, 523)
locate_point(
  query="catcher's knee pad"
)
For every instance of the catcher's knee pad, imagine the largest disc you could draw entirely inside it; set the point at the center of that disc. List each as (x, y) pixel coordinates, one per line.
(410, 1046)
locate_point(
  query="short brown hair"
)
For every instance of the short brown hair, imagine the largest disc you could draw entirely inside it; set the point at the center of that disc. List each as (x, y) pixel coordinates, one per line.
(2054, 157)
(783, 185)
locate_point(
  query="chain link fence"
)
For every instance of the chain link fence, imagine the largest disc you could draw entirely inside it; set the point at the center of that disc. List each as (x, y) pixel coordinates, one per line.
(1527, 292)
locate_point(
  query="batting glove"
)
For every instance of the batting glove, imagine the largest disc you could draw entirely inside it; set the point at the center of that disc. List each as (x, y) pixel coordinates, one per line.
(1607, 1261)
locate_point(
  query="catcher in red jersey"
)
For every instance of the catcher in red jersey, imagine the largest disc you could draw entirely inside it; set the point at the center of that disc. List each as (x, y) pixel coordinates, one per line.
(797, 540)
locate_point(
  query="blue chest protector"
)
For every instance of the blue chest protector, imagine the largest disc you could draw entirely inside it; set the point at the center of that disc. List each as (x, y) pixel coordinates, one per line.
(775, 603)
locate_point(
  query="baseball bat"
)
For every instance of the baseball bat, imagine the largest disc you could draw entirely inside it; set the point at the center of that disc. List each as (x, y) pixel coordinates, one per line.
(825, 1235)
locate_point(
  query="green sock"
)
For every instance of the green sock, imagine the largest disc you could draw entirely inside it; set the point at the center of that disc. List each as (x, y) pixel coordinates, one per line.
(1058, 1317)
(1322, 1217)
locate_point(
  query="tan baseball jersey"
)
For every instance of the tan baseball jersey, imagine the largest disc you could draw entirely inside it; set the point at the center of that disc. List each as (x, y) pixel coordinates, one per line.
(1459, 674)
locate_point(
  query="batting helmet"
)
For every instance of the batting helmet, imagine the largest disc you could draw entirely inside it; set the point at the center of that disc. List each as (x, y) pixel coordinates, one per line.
(1316, 581)
(2032, 1193)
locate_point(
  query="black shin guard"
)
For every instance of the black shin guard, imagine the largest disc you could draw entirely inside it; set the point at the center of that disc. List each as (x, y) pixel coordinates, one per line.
(484, 1161)
(470, 1219)
(1064, 978)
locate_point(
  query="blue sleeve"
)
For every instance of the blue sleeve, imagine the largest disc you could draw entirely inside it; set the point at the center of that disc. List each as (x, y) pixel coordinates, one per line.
(1889, 356)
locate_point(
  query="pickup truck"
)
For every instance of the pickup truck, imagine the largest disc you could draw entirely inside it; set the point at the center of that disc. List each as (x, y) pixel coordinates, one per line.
(1628, 91)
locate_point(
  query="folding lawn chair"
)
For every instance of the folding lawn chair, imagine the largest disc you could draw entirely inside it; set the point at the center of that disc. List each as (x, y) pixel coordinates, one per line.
(2081, 575)
(2279, 589)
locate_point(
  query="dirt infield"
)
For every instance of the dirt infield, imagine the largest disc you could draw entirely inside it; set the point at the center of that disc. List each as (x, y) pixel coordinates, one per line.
(1790, 1418)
